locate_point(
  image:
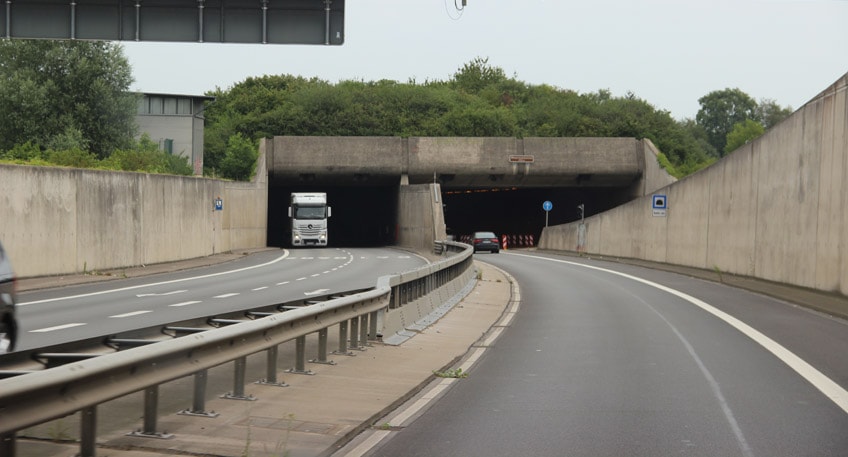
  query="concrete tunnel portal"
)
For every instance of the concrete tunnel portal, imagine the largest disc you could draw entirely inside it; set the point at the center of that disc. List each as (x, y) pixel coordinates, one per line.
(366, 216)
(493, 184)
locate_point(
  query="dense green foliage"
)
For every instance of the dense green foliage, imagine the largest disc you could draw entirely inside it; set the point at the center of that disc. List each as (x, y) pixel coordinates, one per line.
(479, 100)
(66, 95)
(742, 133)
(143, 155)
(239, 159)
(722, 110)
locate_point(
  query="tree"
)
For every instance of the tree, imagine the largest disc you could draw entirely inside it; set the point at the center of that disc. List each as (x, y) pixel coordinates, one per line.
(476, 75)
(769, 113)
(240, 159)
(721, 110)
(742, 133)
(55, 91)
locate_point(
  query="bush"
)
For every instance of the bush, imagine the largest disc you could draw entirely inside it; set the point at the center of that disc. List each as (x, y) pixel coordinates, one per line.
(74, 157)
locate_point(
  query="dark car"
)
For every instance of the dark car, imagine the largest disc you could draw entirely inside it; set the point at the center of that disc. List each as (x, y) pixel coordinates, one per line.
(485, 241)
(8, 296)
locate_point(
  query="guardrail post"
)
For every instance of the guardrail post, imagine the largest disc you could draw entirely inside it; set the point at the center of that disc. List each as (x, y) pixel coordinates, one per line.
(238, 382)
(7, 444)
(354, 334)
(363, 331)
(343, 340)
(198, 407)
(88, 432)
(271, 368)
(300, 357)
(372, 332)
(322, 348)
(151, 411)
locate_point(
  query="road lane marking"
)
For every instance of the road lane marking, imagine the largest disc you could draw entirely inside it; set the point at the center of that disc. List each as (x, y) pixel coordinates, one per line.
(226, 295)
(131, 314)
(819, 380)
(173, 281)
(300, 279)
(283, 283)
(316, 275)
(185, 303)
(259, 288)
(162, 294)
(58, 327)
(316, 292)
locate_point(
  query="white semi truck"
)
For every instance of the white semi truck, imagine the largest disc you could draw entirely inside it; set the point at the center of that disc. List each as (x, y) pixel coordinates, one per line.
(309, 213)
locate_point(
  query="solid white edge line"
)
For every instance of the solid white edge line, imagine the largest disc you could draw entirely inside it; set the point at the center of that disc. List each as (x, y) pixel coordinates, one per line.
(825, 385)
(103, 292)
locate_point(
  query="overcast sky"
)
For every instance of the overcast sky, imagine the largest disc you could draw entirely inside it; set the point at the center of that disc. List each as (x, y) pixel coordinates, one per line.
(667, 52)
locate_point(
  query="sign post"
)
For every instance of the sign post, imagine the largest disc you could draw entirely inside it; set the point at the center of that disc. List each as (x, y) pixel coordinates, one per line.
(547, 206)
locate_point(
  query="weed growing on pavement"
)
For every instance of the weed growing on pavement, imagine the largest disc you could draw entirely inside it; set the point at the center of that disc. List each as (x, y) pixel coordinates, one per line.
(59, 430)
(718, 271)
(453, 373)
(280, 448)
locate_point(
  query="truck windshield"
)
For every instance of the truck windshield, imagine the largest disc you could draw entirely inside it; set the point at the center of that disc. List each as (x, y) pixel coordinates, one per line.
(309, 212)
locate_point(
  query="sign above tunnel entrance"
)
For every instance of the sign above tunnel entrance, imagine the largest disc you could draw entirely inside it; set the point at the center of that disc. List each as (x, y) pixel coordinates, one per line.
(303, 22)
(521, 159)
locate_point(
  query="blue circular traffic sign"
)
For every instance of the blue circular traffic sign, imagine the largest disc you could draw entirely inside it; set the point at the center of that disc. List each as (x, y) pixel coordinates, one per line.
(547, 206)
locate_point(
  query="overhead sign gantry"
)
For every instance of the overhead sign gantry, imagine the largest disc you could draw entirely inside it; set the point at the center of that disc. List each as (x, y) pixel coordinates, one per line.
(200, 21)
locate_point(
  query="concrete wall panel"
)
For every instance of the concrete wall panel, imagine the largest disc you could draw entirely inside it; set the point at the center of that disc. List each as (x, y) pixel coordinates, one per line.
(29, 196)
(60, 221)
(774, 209)
(584, 155)
(832, 195)
(732, 214)
(420, 217)
(295, 155)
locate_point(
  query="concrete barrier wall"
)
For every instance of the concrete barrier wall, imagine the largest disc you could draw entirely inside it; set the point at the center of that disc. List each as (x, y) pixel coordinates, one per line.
(421, 220)
(60, 221)
(775, 209)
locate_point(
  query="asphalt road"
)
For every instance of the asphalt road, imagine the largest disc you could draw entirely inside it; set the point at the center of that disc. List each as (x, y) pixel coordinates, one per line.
(59, 315)
(642, 363)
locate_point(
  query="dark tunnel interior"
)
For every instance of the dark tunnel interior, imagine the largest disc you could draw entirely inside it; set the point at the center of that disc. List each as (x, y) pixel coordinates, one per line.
(361, 216)
(367, 216)
(518, 211)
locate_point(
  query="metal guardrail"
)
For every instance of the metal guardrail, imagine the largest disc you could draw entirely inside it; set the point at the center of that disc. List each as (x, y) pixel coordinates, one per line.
(82, 385)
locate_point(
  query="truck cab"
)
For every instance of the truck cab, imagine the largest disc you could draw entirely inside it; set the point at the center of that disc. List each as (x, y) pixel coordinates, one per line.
(309, 214)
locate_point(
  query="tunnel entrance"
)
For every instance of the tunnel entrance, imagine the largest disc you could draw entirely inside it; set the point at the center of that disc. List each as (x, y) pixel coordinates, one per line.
(361, 216)
(518, 211)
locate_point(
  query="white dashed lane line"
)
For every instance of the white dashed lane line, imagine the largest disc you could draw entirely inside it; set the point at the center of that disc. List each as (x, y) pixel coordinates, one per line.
(130, 314)
(226, 295)
(283, 283)
(260, 288)
(185, 303)
(58, 327)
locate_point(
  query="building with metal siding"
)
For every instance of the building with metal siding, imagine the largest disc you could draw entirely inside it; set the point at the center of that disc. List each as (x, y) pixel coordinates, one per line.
(175, 122)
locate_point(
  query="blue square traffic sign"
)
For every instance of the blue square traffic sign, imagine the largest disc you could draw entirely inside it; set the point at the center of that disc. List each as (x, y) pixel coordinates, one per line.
(660, 202)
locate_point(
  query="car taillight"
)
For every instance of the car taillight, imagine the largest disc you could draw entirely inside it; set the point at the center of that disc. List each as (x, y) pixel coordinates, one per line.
(494, 240)
(477, 240)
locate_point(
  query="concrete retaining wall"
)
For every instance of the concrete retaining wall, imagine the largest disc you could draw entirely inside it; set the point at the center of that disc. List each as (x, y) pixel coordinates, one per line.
(60, 221)
(774, 209)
